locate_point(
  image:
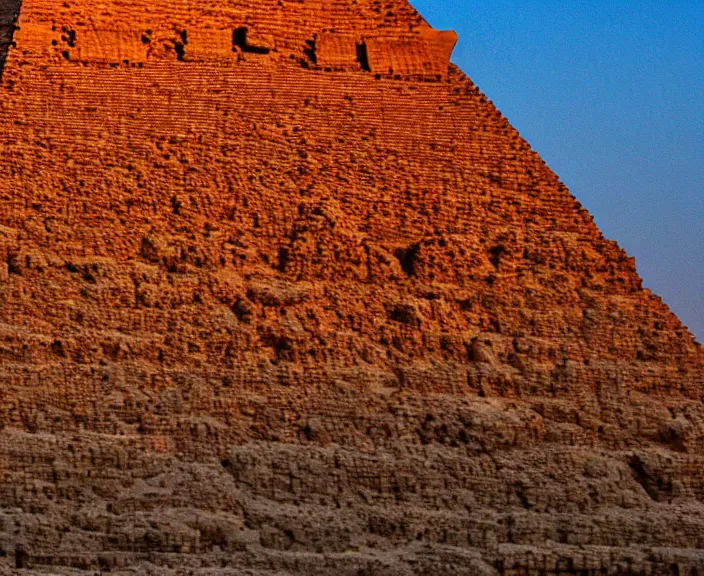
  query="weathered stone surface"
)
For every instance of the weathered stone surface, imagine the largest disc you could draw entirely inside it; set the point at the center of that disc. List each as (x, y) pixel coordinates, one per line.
(282, 292)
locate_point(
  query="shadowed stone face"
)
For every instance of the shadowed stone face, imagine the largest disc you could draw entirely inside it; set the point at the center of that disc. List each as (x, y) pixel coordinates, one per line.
(282, 292)
(9, 10)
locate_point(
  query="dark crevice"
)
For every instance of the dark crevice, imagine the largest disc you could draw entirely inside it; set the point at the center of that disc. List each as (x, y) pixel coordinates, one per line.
(20, 558)
(658, 488)
(284, 257)
(239, 40)
(180, 46)
(408, 258)
(404, 314)
(69, 36)
(496, 253)
(363, 57)
(311, 51)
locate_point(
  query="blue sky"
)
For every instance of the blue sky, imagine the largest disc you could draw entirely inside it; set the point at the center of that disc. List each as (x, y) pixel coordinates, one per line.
(611, 94)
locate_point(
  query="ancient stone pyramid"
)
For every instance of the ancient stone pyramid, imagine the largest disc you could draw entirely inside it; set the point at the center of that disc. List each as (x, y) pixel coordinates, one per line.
(282, 292)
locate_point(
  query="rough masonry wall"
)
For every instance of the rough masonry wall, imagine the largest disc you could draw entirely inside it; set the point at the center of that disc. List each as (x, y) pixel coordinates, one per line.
(385, 38)
(281, 290)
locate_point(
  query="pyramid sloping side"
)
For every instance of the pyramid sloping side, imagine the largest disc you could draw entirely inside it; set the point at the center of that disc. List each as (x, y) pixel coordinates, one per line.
(280, 289)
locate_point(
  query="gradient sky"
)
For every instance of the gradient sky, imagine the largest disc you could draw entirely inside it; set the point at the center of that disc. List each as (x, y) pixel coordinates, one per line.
(611, 94)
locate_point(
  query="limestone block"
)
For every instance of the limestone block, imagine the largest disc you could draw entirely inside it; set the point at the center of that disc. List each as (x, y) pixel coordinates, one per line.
(108, 46)
(209, 44)
(429, 55)
(337, 51)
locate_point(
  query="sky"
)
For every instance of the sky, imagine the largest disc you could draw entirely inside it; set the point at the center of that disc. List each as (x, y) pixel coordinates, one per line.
(611, 94)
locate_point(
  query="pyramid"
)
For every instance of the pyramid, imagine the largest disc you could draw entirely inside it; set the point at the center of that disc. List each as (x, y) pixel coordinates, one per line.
(282, 292)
